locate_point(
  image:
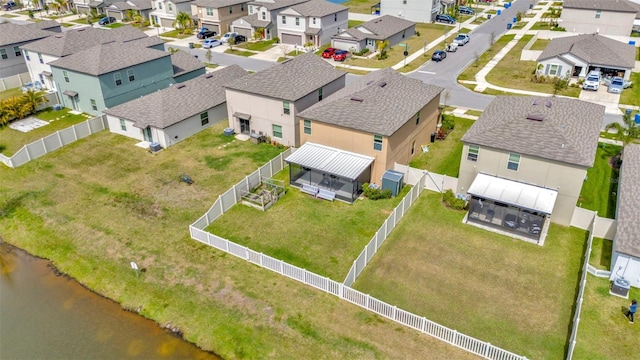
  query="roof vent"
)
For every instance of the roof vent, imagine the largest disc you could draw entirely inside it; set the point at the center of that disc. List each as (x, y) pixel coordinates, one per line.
(81, 29)
(208, 76)
(535, 117)
(358, 99)
(536, 102)
(382, 84)
(370, 82)
(180, 86)
(548, 104)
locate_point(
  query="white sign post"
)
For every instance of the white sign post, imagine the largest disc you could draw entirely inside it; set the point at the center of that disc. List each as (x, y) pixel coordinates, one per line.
(134, 266)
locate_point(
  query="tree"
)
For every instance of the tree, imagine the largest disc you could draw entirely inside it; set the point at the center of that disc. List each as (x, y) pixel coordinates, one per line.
(382, 45)
(259, 33)
(208, 55)
(32, 99)
(628, 132)
(183, 22)
(560, 83)
(231, 42)
(62, 4)
(492, 39)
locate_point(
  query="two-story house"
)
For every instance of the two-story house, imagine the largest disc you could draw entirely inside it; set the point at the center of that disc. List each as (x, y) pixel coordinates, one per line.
(384, 116)
(217, 15)
(313, 22)
(267, 102)
(107, 75)
(119, 10)
(384, 28)
(14, 37)
(164, 12)
(524, 162)
(38, 54)
(86, 6)
(262, 14)
(614, 17)
(412, 10)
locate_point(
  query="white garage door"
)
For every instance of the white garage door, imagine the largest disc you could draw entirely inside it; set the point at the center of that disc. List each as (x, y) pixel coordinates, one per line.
(244, 32)
(344, 45)
(291, 39)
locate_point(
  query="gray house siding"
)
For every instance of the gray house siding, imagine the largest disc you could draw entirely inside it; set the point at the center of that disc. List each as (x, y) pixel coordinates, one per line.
(13, 64)
(86, 86)
(418, 11)
(331, 27)
(191, 126)
(401, 37)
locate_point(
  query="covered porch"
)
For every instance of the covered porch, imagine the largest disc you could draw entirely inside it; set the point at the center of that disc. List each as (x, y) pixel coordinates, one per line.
(511, 208)
(329, 169)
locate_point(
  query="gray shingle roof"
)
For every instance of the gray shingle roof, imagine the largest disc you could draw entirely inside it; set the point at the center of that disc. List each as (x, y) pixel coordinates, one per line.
(255, 21)
(568, 133)
(74, 40)
(120, 5)
(592, 48)
(290, 80)
(176, 103)
(183, 62)
(627, 239)
(16, 34)
(276, 4)
(141, 4)
(383, 109)
(106, 58)
(218, 3)
(607, 5)
(318, 8)
(180, 1)
(379, 28)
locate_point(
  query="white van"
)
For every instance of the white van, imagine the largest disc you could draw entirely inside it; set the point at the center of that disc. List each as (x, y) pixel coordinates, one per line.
(225, 38)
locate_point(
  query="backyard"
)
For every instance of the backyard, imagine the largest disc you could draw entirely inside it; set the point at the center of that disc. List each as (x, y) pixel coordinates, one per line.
(601, 185)
(511, 293)
(631, 96)
(135, 208)
(360, 6)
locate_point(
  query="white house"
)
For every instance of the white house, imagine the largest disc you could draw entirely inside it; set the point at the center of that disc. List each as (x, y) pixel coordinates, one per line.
(313, 22)
(262, 14)
(610, 17)
(164, 12)
(423, 11)
(387, 27)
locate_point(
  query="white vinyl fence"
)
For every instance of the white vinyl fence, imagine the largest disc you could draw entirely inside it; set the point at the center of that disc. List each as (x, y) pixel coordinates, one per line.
(419, 323)
(381, 235)
(432, 181)
(55, 141)
(14, 81)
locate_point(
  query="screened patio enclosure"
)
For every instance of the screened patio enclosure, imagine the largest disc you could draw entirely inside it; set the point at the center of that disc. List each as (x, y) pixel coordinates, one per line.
(334, 170)
(511, 207)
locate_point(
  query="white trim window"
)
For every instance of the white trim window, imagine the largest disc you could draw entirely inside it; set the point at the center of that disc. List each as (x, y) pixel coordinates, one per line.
(307, 126)
(472, 153)
(204, 118)
(209, 11)
(123, 125)
(377, 142)
(277, 131)
(117, 78)
(514, 162)
(3, 54)
(286, 107)
(94, 106)
(131, 75)
(284, 19)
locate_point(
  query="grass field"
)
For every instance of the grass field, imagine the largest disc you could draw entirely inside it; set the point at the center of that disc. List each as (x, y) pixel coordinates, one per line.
(114, 25)
(601, 250)
(513, 294)
(100, 203)
(540, 44)
(599, 190)
(354, 23)
(360, 6)
(176, 34)
(470, 72)
(9, 93)
(631, 96)
(257, 45)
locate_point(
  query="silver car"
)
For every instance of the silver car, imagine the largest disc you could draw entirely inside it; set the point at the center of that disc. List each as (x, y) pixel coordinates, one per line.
(592, 82)
(616, 85)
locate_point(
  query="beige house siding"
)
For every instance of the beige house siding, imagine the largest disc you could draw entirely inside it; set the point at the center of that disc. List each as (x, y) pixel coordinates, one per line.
(221, 20)
(584, 21)
(565, 178)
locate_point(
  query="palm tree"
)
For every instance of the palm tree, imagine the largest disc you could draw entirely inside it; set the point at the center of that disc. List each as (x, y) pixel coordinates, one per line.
(628, 132)
(259, 33)
(183, 22)
(32, 99)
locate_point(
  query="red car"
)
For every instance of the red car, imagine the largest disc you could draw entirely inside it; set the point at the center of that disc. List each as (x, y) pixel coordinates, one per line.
(328, 53)
(341, 55)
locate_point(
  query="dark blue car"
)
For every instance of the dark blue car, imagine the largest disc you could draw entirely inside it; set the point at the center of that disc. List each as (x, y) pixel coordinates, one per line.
(107, 20)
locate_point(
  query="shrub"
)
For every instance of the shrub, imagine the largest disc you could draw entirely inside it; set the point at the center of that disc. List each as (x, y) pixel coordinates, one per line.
(375, 193)
(383, 55)
(447, 123)
(417, 33)
(362, 52)
(276, 39)
(451, 201)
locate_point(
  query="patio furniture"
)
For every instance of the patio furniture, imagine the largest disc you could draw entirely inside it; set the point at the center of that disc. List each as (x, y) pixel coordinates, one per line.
(310, 189)
(326, 194)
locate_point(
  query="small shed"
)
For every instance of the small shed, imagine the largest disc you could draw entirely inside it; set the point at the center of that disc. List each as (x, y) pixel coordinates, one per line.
(393, 180)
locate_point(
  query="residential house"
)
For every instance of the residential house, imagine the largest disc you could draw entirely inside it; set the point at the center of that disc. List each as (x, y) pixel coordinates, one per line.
(384, 116)
(217, 15)
(177, 112)
(268, 102)
(385, 28)
(524, 161)
(107, 75)
(186, 66)
(262, 14)
(15, 37)
(412, 10)
(119, 9)
(86, 6)
(312, 22)
(164, 12)
(577, 55)
(625, 258)
(612, 17)
(38, 54)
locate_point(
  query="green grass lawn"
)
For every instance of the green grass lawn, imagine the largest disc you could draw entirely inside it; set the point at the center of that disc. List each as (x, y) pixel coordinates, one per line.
(114, 25)
(631, 96)
(12, 140)
(294, 53)
(598, 191)
(541, 25)
(95, 205)
(67, 24)
(601, 250)
(444, 155)
(511, 293)
(512, 73)
(540, 44)
(470, 72)
(257, 45)
(239, 52)
(604, 332)
(9, 93)
(329, 236)
(354, 23)
(176, 34)
(81, 21)
(473, 112)
(360, 6)
(8, 16)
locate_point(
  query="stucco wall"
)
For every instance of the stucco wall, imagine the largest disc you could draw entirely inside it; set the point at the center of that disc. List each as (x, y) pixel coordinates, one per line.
(585, 22)
(36, 68)
(13, 64)
(191, 126)
(418, 11)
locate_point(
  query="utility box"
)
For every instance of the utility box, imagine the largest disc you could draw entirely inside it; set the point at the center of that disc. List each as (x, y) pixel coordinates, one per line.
(620, 287)
(154, 147)
(257, 139)
(393, 180)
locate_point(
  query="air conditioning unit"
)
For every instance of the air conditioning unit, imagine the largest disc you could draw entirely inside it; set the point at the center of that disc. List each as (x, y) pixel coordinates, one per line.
(620, 287)
(155, 147)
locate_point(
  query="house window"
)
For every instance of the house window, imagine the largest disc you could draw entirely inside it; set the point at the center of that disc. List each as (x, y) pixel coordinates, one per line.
(418, 118)
(277, 131)
(3, 54)
(123, 125)
(553, 70)
(377, 142)
(335, 17)
(66, 75)
(94, 106)
(159, 5)
(286, 108)
(16, 50)
(131, 75)
(370, 42)
(314, 21)
(41, 78)
(40, 58)
(204, 118)
(472, 154)
(284, 19)
(170, 7)
(403, 33)
(514, 161)
(307, 126)
(297, 21)
(209, 11)
(250, 9)
(413, 147)
(26, 55)
(320, 94)
(242, 7)
(264, 15)
(231, 9)
(117, 78)
(404, 2)
(598, 13)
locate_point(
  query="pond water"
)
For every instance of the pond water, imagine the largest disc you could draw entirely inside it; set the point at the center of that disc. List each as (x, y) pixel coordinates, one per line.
(44, 316)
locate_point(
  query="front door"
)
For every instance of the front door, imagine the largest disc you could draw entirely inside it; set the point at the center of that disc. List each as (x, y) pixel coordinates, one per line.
(74, 103)
(244, 126)
(146, 132)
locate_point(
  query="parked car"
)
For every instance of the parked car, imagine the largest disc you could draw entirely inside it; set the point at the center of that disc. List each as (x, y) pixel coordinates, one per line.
(462, 39)
(465, 10)
(211, 43)
(453, 47)
(238, 39)
(616, 85)
(445, 19)
(9, 5)
(328, 53)
(341, 55)
(225, 37)
(438, 55)
(592, 82)
(206, 34)
(107, 20)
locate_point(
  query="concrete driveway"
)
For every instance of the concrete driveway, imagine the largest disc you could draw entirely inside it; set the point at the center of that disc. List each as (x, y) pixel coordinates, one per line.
(602, 97)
